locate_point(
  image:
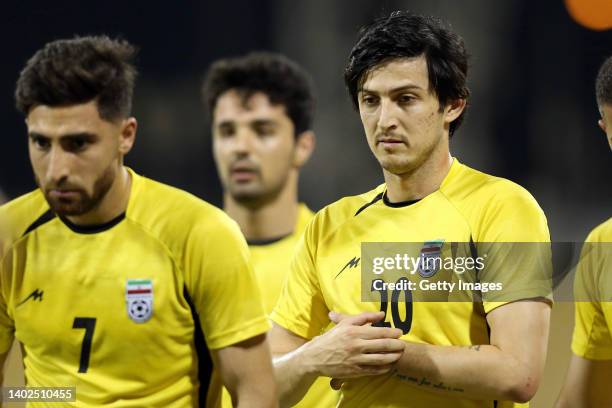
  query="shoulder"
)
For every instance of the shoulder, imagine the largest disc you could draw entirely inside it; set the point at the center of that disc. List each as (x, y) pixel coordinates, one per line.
(472, 185)
(489, 202)
(336, 214)
(18, 215)
(601, 233)
(176, 215)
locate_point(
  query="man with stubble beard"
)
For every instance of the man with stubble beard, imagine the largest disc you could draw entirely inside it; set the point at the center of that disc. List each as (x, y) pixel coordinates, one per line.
(110, 281)
(261, 107)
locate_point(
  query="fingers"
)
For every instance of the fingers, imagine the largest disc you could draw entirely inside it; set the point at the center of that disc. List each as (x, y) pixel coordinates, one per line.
(356, 320)
(368, 332)
(383, 346)
(382, 359)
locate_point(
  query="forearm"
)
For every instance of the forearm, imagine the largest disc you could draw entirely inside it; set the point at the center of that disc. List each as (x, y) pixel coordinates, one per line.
(587, 384)
(294, 376)
(480, 372)
(256, 395)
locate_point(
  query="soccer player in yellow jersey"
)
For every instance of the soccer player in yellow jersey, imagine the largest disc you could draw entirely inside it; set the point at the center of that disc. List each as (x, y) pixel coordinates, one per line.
(588, 379)
(261, 107)
(407, 77)
(107, 278)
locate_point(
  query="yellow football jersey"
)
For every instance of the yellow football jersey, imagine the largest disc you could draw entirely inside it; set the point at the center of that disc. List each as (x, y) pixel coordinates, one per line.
(116, 309)
(593, 329)
(326, 272)
(271, 261)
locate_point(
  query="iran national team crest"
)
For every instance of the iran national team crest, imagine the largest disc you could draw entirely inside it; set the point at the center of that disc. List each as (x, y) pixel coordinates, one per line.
(139, 299)
(430, 259)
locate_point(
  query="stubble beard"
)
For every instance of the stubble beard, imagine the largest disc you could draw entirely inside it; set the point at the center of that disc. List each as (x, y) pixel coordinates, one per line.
(84, 203)
(258, 196)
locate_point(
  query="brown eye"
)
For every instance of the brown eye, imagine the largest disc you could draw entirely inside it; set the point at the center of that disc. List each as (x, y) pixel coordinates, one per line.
(404, 99)
(226, 131)
(40, 143)
(264, 130)
(76, 144)
(369, 100)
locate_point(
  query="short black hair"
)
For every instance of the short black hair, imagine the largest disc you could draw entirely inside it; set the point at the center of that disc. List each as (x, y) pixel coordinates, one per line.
(78, 70)
(403, 34)
(603, 83)
(282, 80)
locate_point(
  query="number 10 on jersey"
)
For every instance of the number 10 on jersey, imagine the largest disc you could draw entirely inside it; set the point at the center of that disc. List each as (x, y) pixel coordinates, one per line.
(402, 324)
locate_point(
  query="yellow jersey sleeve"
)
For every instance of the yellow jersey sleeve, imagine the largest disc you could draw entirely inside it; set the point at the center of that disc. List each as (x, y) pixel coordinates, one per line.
(7, 327)
(301, 308)
(221, 284)
(515, 241)
(592, 338)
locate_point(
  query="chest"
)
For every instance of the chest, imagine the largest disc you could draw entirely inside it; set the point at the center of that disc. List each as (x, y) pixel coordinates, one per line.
(115, 289)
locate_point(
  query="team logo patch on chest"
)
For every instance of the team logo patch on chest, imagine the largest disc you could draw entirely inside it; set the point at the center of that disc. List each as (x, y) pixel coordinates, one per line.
(430, 258)
(139, 299)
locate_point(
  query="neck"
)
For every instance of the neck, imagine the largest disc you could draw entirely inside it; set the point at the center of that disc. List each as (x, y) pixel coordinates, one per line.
(423, 180)
(274, 219)
(113, 204)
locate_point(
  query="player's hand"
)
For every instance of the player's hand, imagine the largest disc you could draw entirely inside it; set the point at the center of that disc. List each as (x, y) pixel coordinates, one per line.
(354, 348)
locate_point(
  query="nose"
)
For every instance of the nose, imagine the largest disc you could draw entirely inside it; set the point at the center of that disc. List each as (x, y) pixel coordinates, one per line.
(58, 166)
(387, 119)
(243, 142)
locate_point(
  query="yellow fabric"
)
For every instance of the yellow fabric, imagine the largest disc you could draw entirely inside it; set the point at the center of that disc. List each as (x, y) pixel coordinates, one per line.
(593, 292)
(168, 237)
(271, 263)
(325, 273)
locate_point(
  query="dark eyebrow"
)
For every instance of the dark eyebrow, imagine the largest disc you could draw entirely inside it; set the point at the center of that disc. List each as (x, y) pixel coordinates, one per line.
(80, 135)
(34, 135)
(396, 90)
(225, 123)
(263, 122)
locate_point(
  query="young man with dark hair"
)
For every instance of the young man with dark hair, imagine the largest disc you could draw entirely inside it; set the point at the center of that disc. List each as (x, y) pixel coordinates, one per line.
(588, 380)
(407, 76)
(261, 108)
(108, 278)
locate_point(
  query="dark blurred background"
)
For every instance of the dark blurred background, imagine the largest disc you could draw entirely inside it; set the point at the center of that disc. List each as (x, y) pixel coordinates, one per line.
(532, 119)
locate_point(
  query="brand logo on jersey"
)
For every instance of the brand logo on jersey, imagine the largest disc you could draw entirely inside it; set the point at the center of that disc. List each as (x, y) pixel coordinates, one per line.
(353, 263)
(430, 260)
(36, 295)
(139, 299)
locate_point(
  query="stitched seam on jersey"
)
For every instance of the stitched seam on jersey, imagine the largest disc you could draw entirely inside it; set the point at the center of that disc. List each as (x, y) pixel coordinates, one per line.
(324, 238)
(42, 219)
(467, 222)
(24, 235)
(364, 207)
(10, 249)
(347, 220)
(161, 242)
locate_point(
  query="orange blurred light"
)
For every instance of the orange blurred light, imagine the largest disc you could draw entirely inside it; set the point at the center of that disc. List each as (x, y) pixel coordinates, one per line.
(593, 14)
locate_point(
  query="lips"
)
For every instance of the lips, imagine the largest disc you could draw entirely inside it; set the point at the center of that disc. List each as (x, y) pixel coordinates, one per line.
(63, 194)
(388, 142)
(243, 172)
